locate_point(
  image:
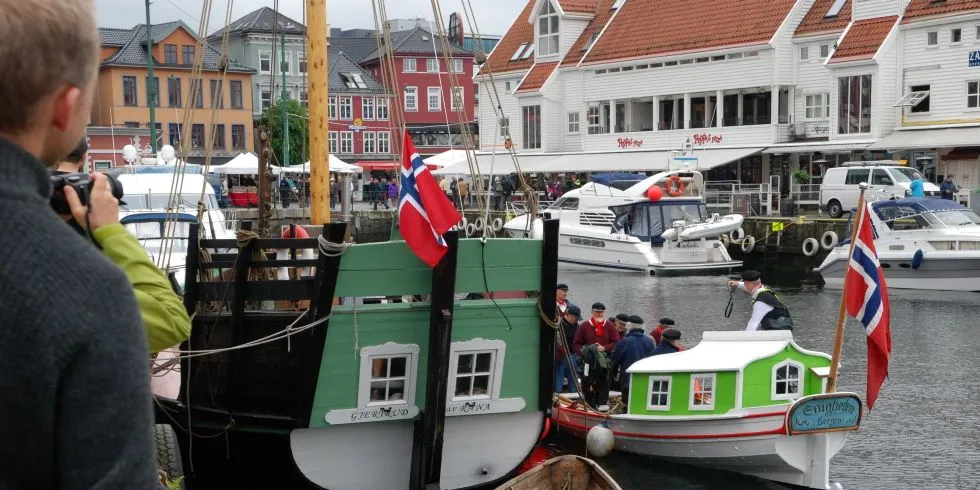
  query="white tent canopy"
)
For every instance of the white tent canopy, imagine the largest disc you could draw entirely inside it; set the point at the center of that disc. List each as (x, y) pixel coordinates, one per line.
(336, 166)
(243, 164)
(447, 158)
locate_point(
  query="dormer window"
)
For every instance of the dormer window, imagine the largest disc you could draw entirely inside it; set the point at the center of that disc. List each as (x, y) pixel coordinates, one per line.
(547, 30)
(787, 381)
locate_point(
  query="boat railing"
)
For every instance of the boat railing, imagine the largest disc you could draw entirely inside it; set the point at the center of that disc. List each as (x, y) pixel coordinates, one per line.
(732, 196)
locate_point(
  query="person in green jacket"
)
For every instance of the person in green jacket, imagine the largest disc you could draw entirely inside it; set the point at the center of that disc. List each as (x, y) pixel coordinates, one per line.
(164, 316)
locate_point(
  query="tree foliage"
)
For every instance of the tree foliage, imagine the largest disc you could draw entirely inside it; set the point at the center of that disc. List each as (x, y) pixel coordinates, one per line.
(299, 131)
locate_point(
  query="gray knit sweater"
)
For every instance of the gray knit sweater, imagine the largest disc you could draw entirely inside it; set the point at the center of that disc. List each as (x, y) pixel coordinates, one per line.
(75, 406)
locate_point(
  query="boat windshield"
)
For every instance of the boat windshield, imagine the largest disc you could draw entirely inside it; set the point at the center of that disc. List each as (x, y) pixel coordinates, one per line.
(160, 201)
(150, 234)
(570, 203)
(650, 219)
(916, 216)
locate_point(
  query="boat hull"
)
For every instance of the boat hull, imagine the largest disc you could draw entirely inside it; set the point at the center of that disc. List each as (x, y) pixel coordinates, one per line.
(754, 443)
(939, 271)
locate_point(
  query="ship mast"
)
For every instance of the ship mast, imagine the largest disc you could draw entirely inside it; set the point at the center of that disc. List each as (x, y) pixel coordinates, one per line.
(316, 52)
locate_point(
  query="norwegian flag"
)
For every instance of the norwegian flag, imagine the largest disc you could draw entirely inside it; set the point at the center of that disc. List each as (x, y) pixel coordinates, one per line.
(866, 299)
(424, 211)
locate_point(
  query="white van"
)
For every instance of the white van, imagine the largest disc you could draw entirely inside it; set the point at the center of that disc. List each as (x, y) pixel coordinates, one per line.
(840, 188)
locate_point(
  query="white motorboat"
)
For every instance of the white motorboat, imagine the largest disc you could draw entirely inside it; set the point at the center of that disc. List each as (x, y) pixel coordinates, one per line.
(602, 227)
(922, 243)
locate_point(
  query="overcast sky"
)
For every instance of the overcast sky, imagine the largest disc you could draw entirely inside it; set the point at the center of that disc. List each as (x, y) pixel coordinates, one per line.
(492, 16)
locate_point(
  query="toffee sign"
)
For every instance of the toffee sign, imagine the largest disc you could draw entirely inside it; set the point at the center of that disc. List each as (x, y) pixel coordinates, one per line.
(829, 412)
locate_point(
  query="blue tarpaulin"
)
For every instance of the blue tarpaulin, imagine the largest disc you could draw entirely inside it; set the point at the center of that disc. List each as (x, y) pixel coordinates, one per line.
(608, 178)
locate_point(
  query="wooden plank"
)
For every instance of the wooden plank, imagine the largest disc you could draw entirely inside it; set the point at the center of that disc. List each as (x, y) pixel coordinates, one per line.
(472, 280)
(228, 260)
(384, 282)
(547, 334)
(265, 243)
(297, 290)
(499, 252)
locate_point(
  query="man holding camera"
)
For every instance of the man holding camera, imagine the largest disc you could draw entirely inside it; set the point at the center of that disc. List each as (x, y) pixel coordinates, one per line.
(164, 316)
(76, 411)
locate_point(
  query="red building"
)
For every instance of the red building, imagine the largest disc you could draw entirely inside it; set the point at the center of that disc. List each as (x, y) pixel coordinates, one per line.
(359, 116)
(105, 145)
(427, 101)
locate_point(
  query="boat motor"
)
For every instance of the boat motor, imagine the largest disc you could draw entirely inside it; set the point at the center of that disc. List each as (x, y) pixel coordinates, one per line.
(82, 183)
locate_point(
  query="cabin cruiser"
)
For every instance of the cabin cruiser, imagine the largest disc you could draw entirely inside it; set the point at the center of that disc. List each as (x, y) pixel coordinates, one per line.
(602, 227)
(922, 243)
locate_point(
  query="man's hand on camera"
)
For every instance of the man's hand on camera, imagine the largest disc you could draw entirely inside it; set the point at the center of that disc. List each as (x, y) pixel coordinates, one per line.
(105, 207)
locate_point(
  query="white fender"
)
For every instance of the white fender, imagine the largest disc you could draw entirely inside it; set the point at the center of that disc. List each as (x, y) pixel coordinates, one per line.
(470, 230)
(737, 234)
(748, 243)
(829, 240)
(478, 224)
(810, 247)
(498, 224)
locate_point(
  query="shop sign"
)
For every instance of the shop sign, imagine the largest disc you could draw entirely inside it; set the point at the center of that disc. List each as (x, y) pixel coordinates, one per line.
(357, 126)
(628, 143)
(974, 59)
(706, 138)
(817, 129)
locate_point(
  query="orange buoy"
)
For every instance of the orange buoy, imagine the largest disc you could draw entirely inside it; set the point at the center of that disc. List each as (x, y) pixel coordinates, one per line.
(295, 232)
(655, 193)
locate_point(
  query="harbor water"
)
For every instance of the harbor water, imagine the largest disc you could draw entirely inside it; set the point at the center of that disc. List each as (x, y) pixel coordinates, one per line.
(922, 433)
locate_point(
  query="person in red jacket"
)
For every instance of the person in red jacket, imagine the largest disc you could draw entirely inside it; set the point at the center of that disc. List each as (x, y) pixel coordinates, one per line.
(657, 333)
(596, 330)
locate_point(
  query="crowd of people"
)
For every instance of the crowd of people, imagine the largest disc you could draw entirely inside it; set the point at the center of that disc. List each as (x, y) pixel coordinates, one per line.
(611, 344)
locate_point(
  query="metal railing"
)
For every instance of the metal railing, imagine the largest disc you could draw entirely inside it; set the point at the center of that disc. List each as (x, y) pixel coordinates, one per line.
(731, 196)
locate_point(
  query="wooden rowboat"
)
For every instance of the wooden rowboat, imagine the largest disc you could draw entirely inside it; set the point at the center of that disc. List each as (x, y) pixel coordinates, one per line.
(567, 472)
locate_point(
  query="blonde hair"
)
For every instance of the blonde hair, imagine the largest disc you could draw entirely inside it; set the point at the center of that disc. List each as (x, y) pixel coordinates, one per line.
(44, 44)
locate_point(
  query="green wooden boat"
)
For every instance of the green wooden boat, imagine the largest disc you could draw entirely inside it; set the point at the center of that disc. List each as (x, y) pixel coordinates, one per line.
(424, 387)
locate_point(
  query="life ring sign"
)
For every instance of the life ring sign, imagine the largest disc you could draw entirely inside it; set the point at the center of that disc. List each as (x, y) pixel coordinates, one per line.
(675, 186)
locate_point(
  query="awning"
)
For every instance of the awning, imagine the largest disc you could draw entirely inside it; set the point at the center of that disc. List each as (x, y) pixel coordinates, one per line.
(709, 159)
(823, 147)
(496, 164)
(915, 139)
(634, 161)
(378, 165)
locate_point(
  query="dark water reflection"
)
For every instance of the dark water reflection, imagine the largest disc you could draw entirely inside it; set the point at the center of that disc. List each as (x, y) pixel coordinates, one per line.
(923, 433)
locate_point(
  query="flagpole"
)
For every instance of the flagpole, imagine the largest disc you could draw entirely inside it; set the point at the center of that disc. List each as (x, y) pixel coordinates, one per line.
(841, 312)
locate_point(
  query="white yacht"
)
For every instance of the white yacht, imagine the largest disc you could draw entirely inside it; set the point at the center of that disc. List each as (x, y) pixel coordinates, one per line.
(922, 243)
(602, 227)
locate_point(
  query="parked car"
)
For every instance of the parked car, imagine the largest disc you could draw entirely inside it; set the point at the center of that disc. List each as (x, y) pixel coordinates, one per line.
(840, 188)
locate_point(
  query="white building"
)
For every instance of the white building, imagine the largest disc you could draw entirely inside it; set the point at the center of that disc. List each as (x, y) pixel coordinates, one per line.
(759, 88)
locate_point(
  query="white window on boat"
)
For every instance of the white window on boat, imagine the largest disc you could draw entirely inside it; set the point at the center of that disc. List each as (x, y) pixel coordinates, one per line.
(659, 393)
(388, 375)
(787, 380)
(702, 392)
(476, 368)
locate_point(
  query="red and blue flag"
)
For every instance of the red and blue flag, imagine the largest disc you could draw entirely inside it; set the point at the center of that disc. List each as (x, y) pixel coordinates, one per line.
(424, 211)
(866, 299)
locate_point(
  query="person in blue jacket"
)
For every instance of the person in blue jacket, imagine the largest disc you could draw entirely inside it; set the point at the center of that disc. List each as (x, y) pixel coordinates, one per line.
(670, 342)
(634, 346)
(916, 187)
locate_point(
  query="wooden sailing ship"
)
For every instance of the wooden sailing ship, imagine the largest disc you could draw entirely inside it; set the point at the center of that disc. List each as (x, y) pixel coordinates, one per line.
(428, 388)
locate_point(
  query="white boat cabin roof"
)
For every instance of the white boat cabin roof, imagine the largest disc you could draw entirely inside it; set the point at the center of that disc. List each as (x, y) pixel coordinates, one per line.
(721, 351)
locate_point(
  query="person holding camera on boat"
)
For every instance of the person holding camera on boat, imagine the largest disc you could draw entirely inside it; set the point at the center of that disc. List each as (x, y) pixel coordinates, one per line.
(164, 316)
(768, 312)
(77, 409)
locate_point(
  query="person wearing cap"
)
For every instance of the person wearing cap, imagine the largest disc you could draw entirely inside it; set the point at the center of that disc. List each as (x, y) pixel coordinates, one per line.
(670, 343)
(635, 345)
(597, 330)
(567, 365)
(664, 324)
(768, 312)
(561, 298)
(621, 320)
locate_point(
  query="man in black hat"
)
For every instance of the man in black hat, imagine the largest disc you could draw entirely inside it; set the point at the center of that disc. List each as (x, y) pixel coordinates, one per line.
(567, 364)
(597, 330)
(594, 341)
(670, 343)
(561, 298)
(621, 320)
(657, 333)
(635, 345)
(768, 312)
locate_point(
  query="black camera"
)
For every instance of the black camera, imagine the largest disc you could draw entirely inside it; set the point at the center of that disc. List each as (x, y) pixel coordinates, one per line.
(82, 183)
